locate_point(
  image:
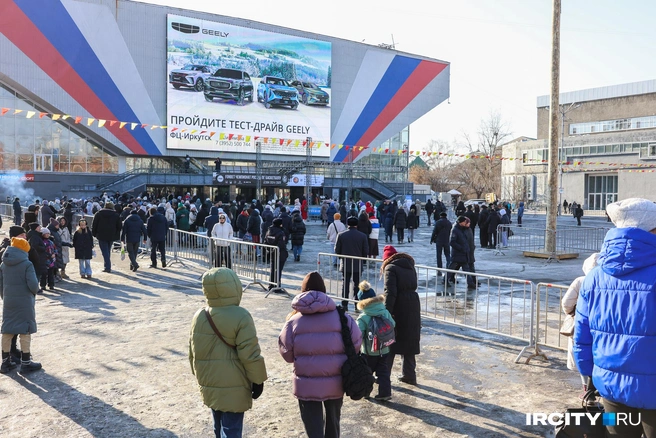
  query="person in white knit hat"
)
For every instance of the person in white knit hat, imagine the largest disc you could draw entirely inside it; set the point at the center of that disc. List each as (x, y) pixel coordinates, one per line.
(615, 322)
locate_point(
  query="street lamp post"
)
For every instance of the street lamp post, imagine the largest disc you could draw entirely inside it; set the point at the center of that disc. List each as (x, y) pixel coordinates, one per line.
(561, 151)
(407, 174)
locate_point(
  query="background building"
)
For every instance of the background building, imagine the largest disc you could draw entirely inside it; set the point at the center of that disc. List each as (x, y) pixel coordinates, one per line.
(91, 100)
(607, 148)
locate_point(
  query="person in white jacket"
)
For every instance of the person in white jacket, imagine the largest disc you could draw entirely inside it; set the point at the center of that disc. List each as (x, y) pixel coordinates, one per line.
(221, 234)
(568, 305)
(333, 230)
(170, 215)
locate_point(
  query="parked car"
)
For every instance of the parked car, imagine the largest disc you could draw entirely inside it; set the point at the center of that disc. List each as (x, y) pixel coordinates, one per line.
(311, 94)
(191, 76)
(276, 91)
(228, 83)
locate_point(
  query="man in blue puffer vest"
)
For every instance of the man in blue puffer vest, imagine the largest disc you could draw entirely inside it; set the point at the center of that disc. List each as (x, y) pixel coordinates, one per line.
(615, 333)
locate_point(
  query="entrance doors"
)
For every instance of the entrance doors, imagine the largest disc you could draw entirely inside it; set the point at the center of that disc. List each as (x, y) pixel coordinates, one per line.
(43, 162)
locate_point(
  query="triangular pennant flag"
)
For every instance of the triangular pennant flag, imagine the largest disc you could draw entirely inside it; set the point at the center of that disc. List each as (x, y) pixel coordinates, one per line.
(78, 119)
(154, 126)
(282, 140)
(143, 125)
(30, 114)
(4, 111)
(56, 116)
(193, 131)
(174, 129)
(65, 116)
(240, 137)
(387, 150)
(133, 126)
(290, 142)
(212, 134)
(340, 146)
(222, 136)
(163, 127)
(18, 111)
(265, 139)
(112, 123)
(42, 115)
(298, 142)
(332, 146)
(90, 121)
(230, 136)
(122, 124)
(248, 138)
(101, 123)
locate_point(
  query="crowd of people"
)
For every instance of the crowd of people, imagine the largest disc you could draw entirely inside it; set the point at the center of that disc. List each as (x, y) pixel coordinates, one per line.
(613, 306)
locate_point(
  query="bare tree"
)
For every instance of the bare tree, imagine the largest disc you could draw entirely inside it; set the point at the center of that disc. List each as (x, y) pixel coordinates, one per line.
(482, 172)
(440, 160)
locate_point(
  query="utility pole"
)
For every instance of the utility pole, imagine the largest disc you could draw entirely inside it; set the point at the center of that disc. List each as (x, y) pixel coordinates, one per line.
(308, 169)
(561, 154)
(552, 190)
(406, 175)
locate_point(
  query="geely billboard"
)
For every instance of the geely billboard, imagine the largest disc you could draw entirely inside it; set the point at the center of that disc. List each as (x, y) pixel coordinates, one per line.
(229, 84)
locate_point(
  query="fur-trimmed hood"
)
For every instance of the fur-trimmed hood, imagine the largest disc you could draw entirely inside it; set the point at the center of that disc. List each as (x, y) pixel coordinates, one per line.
(364, 303)
(396, 257)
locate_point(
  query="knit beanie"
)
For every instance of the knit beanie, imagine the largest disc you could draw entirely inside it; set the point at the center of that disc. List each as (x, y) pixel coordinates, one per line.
(34, 225)
(313, 281)
(633, 213)
(20, 243)
(366, 291)
(388, 251)
(352, 221)
(15, 230)
(109, 205)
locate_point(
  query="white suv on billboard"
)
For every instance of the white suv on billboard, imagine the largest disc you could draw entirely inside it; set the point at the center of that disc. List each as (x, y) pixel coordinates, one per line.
(191, 76)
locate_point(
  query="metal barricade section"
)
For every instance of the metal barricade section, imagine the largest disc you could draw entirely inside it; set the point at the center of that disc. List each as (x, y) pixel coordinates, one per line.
(549, 319)
(568, 239)
(498, 305)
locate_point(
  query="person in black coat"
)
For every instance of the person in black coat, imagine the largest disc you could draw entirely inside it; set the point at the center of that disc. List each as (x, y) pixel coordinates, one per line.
(286, 222)
(201, 216)
(400, 222)
(412, 222)
(402, 302)
(157, 229)
(460, 252)
(440, 236)
(106, 227)
(242, 223)
(364, 224)
(493, 221)
(134, 231)
(68, 215)
(460, 209)
(472, 216)
(351, 243)
(31, 216)
(298, 235)
(276, 236)
(343, 212)
(83, 245)
(254, 225)
(35, 239)
(430, 208)
(212, 220)
(483, 219)
(18, 211)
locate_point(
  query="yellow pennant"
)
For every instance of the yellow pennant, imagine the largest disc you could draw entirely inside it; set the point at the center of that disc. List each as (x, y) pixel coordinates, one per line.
(101, 123)
(56, 116)
(30, 114)
(121, 125)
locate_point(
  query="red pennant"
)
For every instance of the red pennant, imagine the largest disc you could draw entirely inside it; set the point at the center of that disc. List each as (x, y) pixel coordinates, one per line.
(172, 130)
(282, 140)
(386, 150)
(347, 147)
(41, 115)
(78, 119)
(4, 111)
(230, 136)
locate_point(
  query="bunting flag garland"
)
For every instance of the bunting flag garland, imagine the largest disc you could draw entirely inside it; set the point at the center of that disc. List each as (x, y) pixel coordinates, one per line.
(571, 166)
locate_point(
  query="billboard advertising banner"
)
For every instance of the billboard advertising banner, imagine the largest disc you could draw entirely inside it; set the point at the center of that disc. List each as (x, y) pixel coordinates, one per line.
(245, 83)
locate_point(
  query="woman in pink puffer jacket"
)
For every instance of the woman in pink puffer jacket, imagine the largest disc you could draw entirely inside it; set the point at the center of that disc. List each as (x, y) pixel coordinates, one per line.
(312, 340)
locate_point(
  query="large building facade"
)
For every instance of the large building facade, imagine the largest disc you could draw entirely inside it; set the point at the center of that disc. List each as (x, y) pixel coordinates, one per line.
(607, 149)
(90, 89)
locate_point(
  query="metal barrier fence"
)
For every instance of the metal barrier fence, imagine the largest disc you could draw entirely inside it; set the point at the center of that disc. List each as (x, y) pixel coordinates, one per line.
(498, 305)
(514, 237)
(549, 319)
(253, 263)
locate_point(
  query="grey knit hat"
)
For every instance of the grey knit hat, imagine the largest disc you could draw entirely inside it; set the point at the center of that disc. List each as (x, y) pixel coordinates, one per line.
(633, 213)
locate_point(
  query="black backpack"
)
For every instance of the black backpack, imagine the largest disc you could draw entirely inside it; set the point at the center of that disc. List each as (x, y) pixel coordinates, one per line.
(357, 377)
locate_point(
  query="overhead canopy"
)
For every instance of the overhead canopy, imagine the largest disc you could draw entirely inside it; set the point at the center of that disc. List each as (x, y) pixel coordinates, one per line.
(454, 192)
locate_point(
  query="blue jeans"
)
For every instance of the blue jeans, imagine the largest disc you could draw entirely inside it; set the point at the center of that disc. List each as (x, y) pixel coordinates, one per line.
(105, 249)
(228, 424)
(85, 267)
(297, 250)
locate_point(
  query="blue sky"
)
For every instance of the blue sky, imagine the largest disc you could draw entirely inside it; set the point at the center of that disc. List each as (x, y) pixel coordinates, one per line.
(499, 50)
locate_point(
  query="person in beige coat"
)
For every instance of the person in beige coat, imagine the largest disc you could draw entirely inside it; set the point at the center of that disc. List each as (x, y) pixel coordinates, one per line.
(568, 304)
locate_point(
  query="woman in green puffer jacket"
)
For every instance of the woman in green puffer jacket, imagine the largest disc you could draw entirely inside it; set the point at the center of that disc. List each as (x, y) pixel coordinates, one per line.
(230, 372)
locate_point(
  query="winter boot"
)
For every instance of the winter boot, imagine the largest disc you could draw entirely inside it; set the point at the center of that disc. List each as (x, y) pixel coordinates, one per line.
(27, 364)
(7, 363)
(63, 274)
